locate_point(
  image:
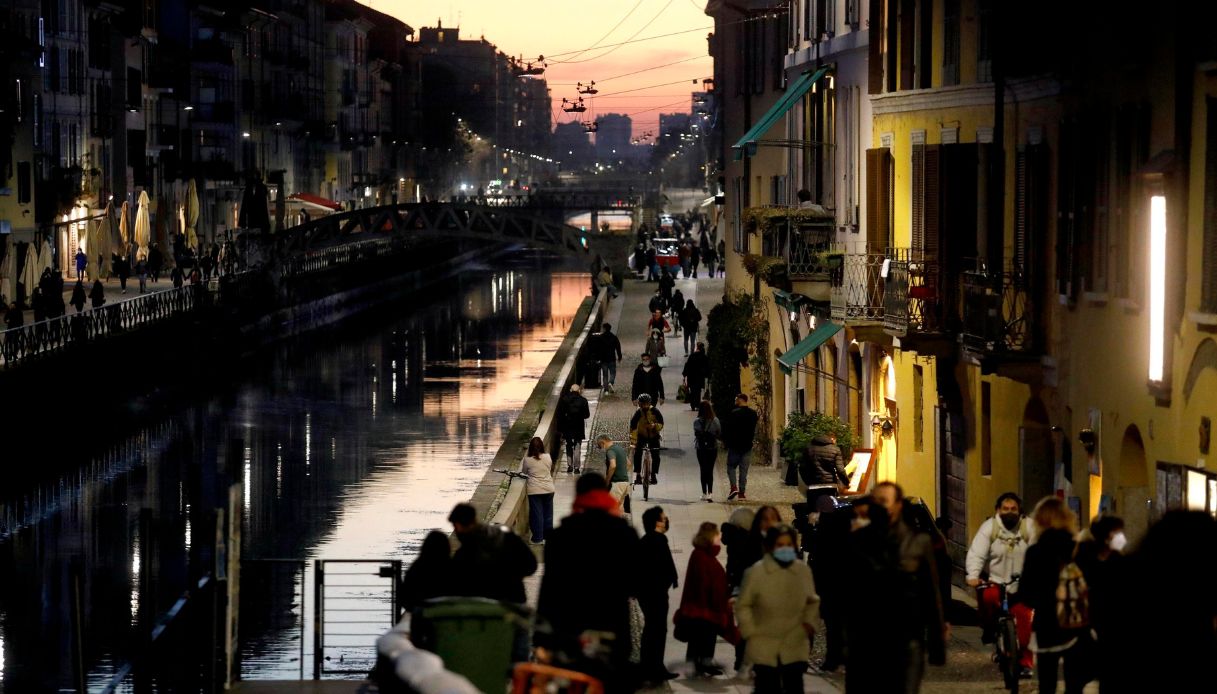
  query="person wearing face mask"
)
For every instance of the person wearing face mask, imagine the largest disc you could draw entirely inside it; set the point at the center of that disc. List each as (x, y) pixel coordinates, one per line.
(704, 612)
(778, 610)
(998, 552)
(1101, 559)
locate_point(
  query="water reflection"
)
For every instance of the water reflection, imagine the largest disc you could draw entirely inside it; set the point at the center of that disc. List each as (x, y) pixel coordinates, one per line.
(350, 443)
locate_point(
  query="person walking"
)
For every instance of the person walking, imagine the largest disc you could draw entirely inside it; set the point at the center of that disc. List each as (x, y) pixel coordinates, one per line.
(609, 352)
(778, 610)
(667, 282)
(738, 434)
(684, 253)
(156, 261)
(709, 256)
(15, 318)
(573, 412)
(141, 270)
(896, 615)
(722, 257)
(658, 303)
(645, 428)
(429, 575)
(539, 467)
(1044, 570)
(82, 261)
(648, 380)
(616, 467)
(690, 322)
(704, 613)
(695, 258)
(98, 294)
(1101, 559)
(674, 308)
(78, 296)
(822, 470)
(706, 433)
(657, 575)
(176, 276)
(696, 371)
(122, 268)
(593, 552)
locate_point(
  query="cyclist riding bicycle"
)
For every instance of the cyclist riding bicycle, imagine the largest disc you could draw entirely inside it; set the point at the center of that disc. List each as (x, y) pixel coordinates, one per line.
(645, 428)
(997, 552)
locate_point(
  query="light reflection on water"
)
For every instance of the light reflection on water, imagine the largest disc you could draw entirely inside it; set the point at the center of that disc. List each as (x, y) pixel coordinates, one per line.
(411, 424)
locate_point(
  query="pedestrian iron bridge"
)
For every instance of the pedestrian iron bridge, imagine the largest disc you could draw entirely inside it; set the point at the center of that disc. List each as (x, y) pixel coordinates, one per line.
(410, 221)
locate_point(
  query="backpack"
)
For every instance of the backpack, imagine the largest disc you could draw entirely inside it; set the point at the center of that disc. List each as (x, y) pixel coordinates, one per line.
(1072, 598)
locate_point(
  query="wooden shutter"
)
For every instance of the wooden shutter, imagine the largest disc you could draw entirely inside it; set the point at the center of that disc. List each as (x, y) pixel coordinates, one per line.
(908, 32)
(932, 225)
(890, 27)
(878, 198)
(1065, 223)
(1020, 211)
(874, 82)
(1208, 274)
(917, 204)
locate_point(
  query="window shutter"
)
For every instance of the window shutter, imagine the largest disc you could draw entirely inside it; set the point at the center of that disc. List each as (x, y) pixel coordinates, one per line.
(917, 206)
(874, 82)
(932, 220)
(878, 197)
(1208, 275)
(1065, 228)
(1020, 211)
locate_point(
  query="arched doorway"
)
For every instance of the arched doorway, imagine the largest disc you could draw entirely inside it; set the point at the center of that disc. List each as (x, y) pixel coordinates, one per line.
(1035, 453)
(1132, 485)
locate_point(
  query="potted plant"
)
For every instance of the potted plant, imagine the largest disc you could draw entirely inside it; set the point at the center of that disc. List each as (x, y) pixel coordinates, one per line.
(802, 427)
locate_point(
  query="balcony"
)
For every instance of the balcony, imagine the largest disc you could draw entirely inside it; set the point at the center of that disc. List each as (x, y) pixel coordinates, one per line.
(914, 303)
(857, 287)
(999, 326)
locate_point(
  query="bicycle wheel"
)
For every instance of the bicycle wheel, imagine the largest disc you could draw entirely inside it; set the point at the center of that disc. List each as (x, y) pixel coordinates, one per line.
(646, 474)
(1007, 643)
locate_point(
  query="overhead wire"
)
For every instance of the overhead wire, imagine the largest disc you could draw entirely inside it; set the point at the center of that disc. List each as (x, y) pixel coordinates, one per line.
(607, 33)
(633, 36)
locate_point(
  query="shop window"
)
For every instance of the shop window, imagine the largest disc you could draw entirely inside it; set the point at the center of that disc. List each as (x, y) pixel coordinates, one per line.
(986, 429)
(918, 409)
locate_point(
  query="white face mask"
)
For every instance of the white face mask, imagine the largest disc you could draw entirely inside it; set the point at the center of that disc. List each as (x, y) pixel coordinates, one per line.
(1118, 542)
(859, 523)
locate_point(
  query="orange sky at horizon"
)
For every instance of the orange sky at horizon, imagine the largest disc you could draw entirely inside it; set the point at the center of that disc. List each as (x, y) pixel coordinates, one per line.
(559, 29)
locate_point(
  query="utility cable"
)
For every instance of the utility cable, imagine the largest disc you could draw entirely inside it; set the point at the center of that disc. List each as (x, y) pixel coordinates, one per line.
(631, 38)
(607, 33)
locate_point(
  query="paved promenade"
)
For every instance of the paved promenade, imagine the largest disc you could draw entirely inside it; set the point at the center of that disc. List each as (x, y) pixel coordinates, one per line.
(679, 488)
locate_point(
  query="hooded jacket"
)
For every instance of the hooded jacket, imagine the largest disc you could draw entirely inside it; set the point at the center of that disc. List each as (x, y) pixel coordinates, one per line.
(824, 464)
(773, 605)
(999, 553)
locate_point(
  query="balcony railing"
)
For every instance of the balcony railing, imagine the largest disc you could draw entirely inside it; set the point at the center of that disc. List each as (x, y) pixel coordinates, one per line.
(998, 315)
(801, 236)
(912, 299)
(858, 287)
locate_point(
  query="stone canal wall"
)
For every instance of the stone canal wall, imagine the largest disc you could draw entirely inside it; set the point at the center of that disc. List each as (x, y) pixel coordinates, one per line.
(501, 499)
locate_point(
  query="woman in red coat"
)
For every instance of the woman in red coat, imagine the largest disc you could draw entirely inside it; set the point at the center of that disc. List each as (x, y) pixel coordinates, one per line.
(704, 612)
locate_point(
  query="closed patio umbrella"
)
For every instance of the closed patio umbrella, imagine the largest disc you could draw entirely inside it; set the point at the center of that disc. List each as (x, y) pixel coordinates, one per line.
(124, 229)
(192, 215)
(8, 275)
(143, 227)
(44, 257)
(105, 242)
(30, 270)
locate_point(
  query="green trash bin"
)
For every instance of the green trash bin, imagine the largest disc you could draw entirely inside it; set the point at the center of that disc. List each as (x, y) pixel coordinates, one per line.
(473, 636)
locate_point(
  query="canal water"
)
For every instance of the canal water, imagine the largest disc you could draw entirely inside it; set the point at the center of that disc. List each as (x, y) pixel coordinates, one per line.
(349, 443)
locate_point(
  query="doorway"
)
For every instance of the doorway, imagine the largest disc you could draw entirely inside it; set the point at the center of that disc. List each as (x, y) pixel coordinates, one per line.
(1132, 485)
(1035, 452)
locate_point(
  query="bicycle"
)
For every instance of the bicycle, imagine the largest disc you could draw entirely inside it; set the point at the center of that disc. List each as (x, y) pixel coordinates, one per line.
(511, 473)
(645, 473)
(1005, 644)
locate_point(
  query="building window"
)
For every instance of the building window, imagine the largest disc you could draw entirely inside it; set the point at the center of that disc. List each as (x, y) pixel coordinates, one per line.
(924, 205)
(950, 42)
(984, 40)
(986, 429)
(1208, 274)
(918, 409)
(851, 14)
(1132, 145)
(739, 238)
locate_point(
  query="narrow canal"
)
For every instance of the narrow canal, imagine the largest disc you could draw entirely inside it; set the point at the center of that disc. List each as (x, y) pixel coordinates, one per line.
(352, 442)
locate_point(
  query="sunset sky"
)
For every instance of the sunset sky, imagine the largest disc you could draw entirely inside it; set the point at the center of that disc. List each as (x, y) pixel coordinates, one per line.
(561, 29)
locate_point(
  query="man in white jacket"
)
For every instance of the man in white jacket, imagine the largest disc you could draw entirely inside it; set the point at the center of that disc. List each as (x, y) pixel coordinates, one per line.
(997, 553)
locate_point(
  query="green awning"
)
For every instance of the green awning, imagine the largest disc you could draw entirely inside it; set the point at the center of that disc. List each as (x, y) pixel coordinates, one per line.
(789, 300)
(788, 361)
(746, 146)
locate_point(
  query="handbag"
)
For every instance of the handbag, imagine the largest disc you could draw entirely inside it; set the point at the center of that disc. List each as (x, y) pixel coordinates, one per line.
(681, 628)
(682, 393)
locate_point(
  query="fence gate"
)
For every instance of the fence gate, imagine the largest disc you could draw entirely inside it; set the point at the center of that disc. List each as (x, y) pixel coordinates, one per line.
(354, 604)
